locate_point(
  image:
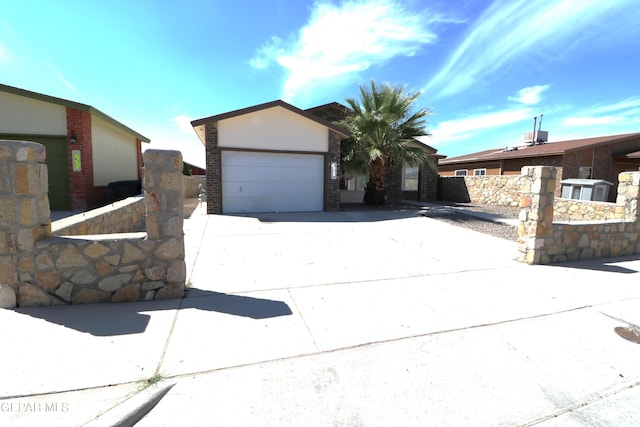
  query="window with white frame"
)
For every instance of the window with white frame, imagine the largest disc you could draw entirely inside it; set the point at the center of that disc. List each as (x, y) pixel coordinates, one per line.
(461, 172)
(479, 172)
(410, 178)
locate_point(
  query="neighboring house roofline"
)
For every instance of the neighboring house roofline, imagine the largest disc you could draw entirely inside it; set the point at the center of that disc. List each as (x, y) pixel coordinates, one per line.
(420, 140)
(336, 105)
(541, 150)
(278, 103)
(76, 105)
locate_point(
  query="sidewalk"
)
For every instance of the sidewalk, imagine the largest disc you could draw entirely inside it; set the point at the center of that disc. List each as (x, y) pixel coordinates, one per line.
(342, 318)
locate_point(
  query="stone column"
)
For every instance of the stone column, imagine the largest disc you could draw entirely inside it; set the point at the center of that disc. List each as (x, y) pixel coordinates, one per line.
(536, 217)
(24, 212)
(628, 194)
(164, 200)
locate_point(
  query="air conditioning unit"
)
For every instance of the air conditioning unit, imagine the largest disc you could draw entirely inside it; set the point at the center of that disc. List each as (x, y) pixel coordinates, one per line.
(537, 137)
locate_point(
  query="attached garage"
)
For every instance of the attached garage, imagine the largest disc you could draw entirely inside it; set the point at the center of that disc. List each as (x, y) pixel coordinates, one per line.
(271, 157)
(272, 182)
(57, 168)
(103, 150)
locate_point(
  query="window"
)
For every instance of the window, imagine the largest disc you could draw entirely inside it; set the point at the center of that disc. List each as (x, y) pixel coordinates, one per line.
(577, 192)
(584, 172)
(353, 181)
(461, 172)
(410, 178)
(479, 172)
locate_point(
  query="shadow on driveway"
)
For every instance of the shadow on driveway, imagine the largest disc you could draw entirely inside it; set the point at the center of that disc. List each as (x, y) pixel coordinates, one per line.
(602, 264)
(355, 214)
(131, 318)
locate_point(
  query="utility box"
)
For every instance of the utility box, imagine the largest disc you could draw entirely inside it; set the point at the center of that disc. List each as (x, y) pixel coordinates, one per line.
(596, 190)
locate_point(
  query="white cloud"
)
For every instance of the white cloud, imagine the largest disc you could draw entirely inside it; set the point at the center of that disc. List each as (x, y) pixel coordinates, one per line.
(623, 113)
(266, 53)
(629, 104)
(507, 31)
(466, 127)
(62, 79)
(531, 95)
(342, 40)
(184, 124)
(614, 118)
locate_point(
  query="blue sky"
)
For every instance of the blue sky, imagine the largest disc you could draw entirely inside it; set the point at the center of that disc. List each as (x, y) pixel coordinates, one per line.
(485, 68)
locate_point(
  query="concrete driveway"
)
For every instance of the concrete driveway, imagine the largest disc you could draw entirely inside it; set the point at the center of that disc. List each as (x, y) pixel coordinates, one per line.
(346, 318)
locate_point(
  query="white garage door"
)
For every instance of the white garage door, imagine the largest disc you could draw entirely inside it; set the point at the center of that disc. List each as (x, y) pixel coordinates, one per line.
(272, 182)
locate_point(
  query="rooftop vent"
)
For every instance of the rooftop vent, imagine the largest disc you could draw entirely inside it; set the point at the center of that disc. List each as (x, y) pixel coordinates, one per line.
(536, 136)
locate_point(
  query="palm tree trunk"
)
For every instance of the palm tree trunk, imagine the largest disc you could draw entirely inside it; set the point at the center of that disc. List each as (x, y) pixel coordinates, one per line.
(374, 194)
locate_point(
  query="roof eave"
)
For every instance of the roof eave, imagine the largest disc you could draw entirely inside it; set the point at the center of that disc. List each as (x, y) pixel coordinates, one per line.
(71, 104)
(278, 103)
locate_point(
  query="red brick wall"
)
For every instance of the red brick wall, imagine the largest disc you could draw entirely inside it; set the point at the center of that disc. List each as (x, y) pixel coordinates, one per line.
(83, 196)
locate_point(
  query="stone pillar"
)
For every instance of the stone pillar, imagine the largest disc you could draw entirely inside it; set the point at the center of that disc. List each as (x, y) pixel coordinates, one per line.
(537, 194)
(24, 212)
(628, 194)
(164, 200)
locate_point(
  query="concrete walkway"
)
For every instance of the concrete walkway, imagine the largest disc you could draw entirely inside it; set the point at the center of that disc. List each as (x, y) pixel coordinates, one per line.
(369, 318)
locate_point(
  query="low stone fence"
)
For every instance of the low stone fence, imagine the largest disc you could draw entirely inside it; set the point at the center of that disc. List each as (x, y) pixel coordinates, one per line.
(124, 216)
(571, 210)
(498, 190)
(191, 185)
(541, 241)
(37, 268)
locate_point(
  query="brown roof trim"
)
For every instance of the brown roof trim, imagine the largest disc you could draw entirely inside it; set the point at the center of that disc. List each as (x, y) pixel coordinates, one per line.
(71, 104)
(272, 104)
(543, 150)
(333, 104)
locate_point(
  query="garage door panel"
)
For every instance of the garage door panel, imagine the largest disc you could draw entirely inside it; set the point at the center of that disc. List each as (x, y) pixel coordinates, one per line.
(293, 190)
(268, 182)
(282, 174)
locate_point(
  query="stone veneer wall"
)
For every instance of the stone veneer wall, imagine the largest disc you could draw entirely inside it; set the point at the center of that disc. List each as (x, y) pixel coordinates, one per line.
(124, 216)
(542, 242)
(39, 269)
(499, 190)
(504, 190)
(568, 210)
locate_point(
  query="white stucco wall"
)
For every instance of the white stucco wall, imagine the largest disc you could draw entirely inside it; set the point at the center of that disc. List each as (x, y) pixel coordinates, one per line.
(22, 115)
(115, 156)
(273, 129)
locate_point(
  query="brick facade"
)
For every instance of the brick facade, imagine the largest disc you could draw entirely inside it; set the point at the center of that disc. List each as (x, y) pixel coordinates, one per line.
(428, 183)
(82, 193)
(393, 185)
(214, 169)
(332, 186)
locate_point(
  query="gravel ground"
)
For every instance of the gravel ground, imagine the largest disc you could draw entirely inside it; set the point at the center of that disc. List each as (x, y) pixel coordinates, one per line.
(455, 214)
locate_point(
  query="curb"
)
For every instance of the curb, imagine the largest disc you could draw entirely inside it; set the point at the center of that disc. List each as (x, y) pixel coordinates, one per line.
(132, 410)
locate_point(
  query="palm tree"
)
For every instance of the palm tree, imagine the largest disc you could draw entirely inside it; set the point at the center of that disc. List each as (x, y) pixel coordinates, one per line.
(383, 127)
